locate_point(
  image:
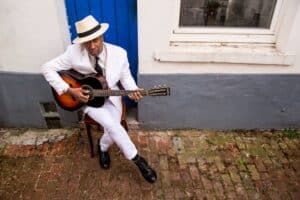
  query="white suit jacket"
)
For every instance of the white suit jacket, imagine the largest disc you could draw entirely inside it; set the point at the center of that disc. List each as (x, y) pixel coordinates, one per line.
(77, 58)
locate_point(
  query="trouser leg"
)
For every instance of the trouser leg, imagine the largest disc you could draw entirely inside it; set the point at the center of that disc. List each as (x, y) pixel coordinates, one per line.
(106, 141)
(106, 116)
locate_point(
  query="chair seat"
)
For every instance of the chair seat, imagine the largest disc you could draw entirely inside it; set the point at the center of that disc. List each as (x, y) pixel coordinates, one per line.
(88, 120)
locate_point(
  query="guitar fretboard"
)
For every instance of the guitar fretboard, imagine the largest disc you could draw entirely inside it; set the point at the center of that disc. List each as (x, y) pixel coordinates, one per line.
(104, 93)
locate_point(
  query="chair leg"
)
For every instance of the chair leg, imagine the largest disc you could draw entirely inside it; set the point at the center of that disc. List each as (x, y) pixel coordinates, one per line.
(89, 133)
(124, 124)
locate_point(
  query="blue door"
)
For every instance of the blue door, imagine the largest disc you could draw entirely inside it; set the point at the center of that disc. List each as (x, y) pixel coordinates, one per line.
(121, 16)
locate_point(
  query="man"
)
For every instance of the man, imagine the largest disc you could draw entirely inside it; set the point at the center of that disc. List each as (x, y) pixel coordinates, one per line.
(90, 54)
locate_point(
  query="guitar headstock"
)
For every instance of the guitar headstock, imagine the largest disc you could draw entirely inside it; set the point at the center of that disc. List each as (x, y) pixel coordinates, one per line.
(159, 91)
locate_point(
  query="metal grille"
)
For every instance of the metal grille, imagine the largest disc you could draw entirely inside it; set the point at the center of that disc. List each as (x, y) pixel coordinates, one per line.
(50, 114)
(53, 122)
(49, 107)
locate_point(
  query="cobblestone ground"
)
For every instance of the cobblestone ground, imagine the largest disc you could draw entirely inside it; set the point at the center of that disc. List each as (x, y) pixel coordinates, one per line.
(191, 164)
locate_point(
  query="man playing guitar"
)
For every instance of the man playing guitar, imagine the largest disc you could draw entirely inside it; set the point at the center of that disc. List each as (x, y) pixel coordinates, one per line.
(89, 54)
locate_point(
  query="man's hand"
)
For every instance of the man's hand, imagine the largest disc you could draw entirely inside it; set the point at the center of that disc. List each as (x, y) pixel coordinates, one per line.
(136, 96)
(79, 94)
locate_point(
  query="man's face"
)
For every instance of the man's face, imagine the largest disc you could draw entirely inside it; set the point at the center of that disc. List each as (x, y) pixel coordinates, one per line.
(95, 46)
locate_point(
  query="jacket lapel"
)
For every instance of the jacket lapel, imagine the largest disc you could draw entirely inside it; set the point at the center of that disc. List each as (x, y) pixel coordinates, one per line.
(111, 73)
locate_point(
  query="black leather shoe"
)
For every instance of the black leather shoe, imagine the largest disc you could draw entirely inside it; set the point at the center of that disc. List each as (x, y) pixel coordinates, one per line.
(148, 173)
(104, 159)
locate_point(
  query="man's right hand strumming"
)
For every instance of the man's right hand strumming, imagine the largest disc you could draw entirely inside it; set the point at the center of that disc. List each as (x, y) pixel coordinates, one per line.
(79, 94)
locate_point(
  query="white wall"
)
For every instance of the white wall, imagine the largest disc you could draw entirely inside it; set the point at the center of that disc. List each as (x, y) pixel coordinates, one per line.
(32, 32)
(288, 35)
(155, 26)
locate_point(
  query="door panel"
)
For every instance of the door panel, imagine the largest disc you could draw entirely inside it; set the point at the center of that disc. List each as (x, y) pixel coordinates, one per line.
(122, 18)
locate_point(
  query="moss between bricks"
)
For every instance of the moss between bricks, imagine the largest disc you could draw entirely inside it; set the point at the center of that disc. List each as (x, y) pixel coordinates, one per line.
(291, 133)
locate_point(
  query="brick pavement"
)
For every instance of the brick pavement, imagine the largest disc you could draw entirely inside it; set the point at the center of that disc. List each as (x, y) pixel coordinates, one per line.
(191, 164)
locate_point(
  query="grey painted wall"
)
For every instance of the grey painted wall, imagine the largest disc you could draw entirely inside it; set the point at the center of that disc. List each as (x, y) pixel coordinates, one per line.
(213, 101)
(220, 101)
(20, 97)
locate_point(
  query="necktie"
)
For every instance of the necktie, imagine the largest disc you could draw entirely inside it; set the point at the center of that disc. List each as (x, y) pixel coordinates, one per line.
(97, 66)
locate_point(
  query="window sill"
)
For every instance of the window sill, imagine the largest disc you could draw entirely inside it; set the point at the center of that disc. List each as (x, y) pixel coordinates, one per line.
(218, 53)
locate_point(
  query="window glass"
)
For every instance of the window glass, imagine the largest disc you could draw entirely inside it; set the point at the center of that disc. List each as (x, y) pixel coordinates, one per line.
(226, 13)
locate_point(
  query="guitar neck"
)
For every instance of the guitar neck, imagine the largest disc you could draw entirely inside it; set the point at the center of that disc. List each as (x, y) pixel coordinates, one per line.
(105, 93)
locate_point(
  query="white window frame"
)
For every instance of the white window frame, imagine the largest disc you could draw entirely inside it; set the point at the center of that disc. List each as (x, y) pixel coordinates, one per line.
(225, 34)
(225, 44)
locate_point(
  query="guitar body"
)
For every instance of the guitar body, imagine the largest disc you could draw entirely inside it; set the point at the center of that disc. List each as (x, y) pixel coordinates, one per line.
(77, 80)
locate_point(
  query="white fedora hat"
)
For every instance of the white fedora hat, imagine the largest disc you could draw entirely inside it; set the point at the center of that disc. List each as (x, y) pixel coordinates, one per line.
(88, 29)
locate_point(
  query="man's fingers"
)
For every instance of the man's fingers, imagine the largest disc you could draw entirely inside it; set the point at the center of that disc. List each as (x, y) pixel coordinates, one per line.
(136, 95)
(140, 96)
(84, 97)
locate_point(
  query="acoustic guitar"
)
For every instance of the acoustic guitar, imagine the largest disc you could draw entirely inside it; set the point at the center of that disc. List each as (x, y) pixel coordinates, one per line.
(97, 89)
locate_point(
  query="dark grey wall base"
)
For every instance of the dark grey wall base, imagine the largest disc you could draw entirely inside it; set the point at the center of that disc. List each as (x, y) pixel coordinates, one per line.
(221, 101)
(20, 98)
(208, 101)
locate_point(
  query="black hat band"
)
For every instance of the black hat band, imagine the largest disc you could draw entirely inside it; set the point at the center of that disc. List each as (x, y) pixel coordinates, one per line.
(89, 32)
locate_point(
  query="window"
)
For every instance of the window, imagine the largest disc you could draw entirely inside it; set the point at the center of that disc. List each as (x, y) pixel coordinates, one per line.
(226, 31)
(226, 13)
(233, 21)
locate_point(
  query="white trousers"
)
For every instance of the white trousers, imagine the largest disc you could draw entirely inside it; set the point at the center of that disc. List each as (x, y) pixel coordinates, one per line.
(109, 118)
